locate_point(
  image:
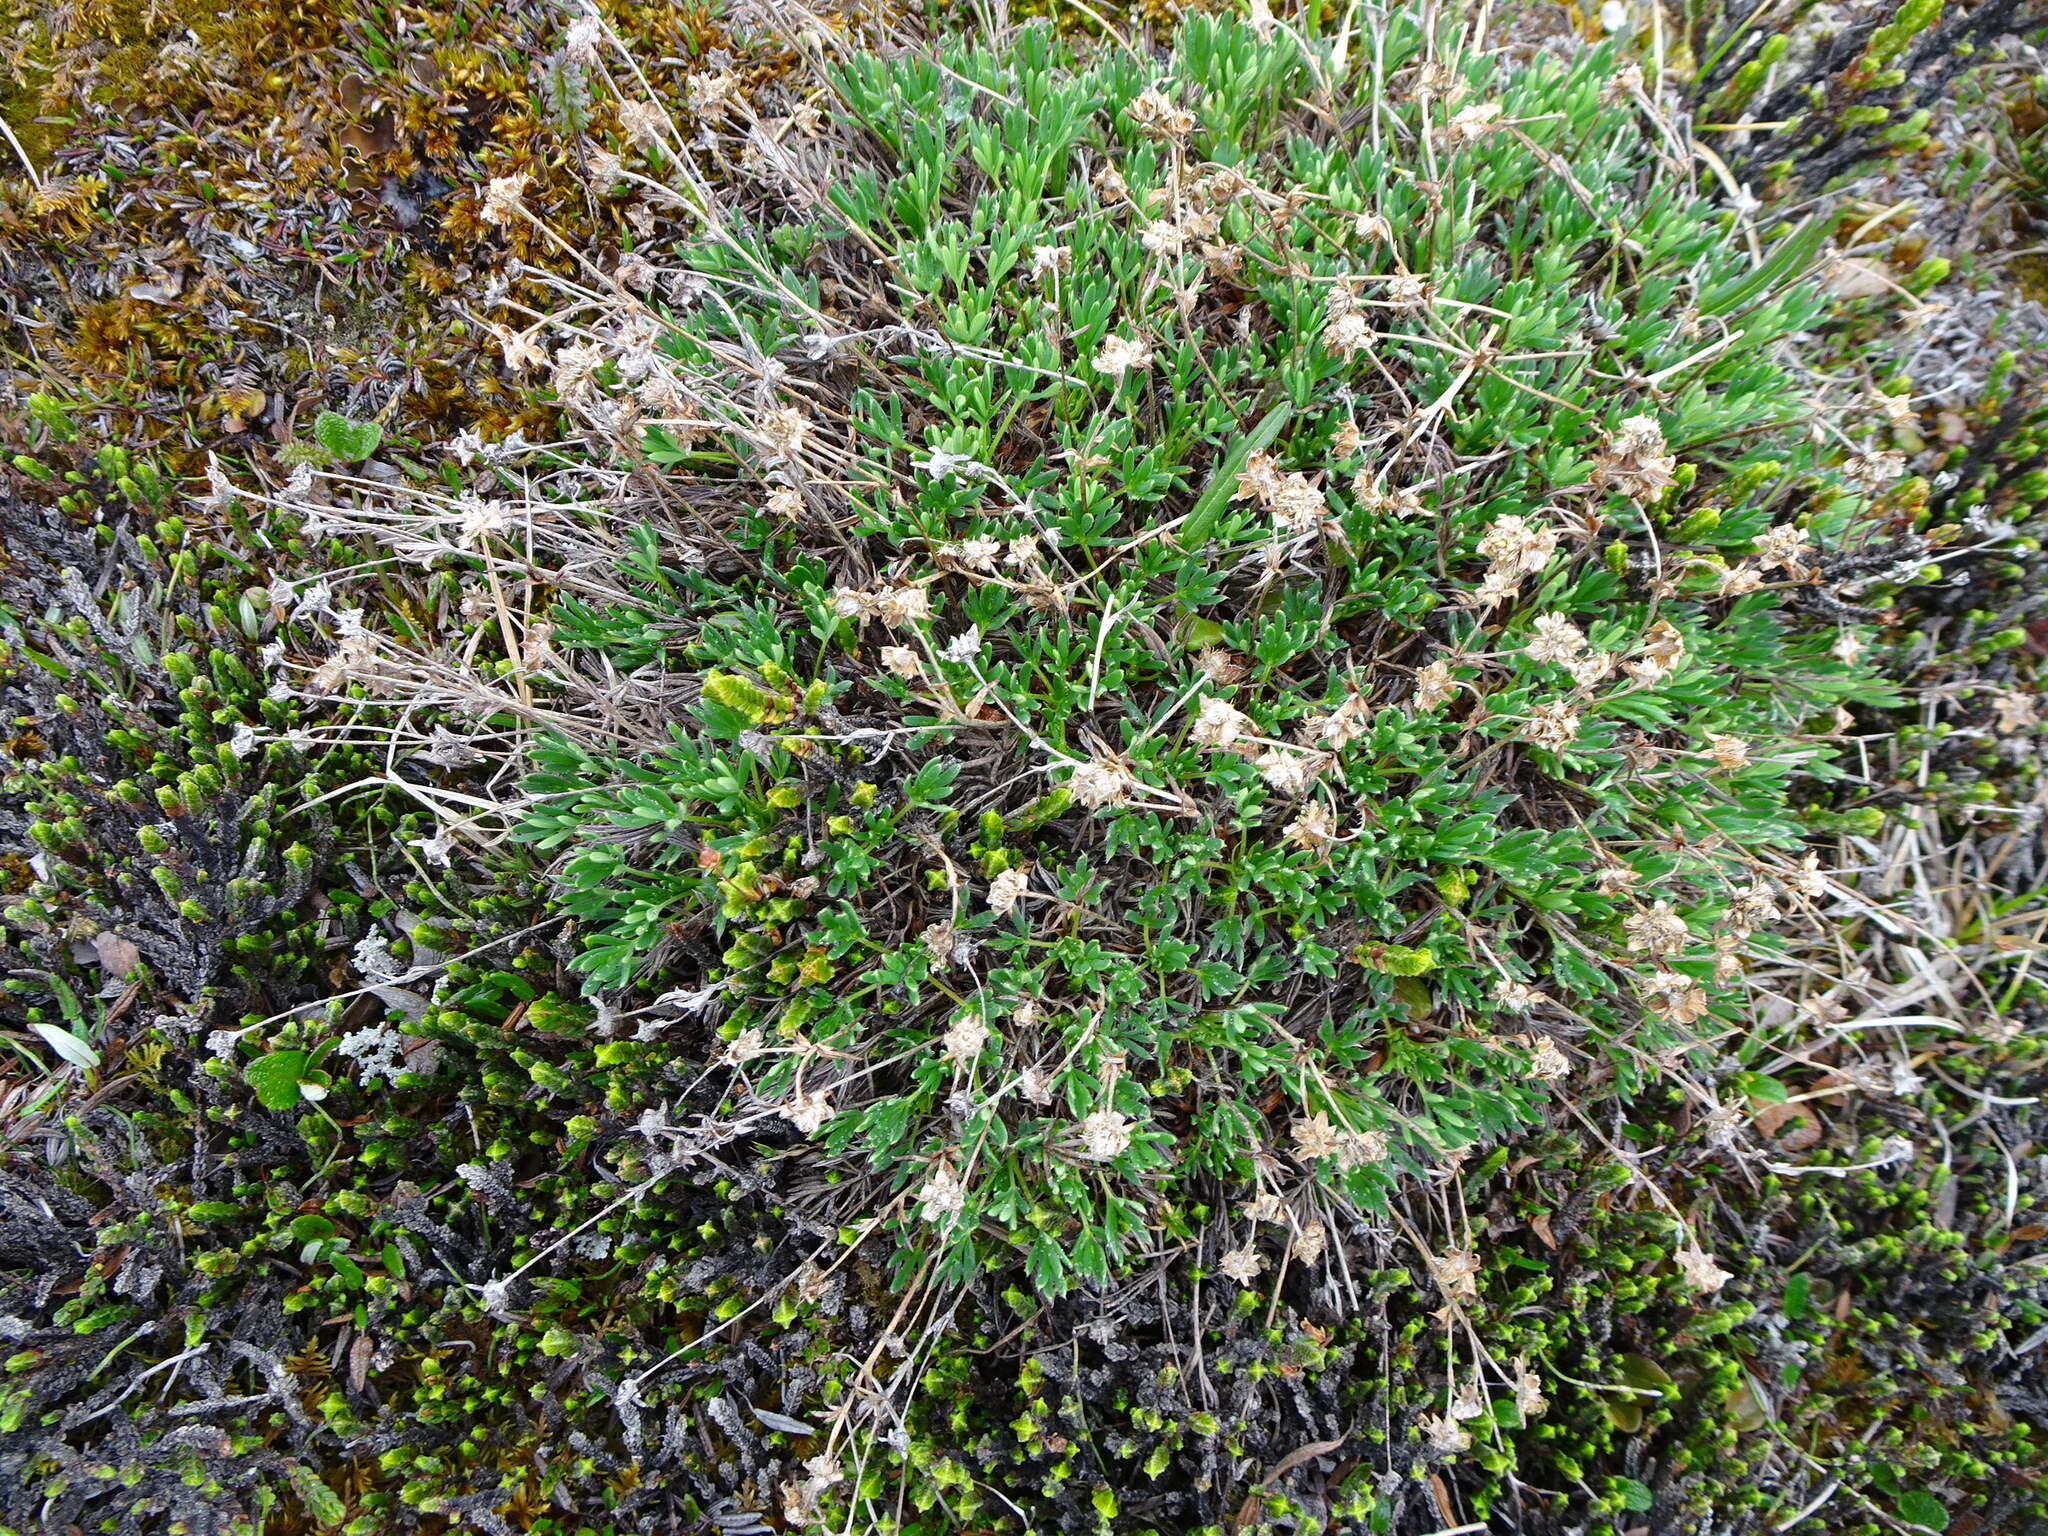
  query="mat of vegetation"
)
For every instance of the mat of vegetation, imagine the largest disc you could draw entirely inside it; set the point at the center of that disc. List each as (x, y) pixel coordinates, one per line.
(1128, 774)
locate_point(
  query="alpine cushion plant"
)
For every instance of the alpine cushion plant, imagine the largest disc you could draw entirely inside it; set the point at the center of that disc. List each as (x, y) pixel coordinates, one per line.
(1253, 612)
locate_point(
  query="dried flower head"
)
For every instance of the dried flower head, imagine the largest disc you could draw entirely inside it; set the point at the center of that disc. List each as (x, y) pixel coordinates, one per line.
(965, 1036)
(1781, 547)
(1656, 930)
(808, 1112)
(943, 1196)
(1516, 996)
(1100, 781)
(1553, 725)
(1555, 638)
(1158, 117)
(903, 661)
(1315, 829)
(1456, 1272)
(1219, 723)
(1636, 461)
(1119, 355)
(1243, 1265)
(1105, 1134)
(1518, 547)
(1434, 684)
(503, 198)
(1700, 1270)
(1309, 1243)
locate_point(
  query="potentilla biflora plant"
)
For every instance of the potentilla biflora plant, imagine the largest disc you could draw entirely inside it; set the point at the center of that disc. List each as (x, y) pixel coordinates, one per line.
(1253, 616)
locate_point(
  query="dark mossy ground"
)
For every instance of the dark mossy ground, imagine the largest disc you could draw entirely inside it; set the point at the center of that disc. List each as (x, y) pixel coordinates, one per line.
(225, 1316)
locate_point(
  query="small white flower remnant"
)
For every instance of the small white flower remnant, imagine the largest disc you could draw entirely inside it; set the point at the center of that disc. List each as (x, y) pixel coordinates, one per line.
(1556, 638)
(1158, 117)
(1729, 752)
(1403, 501)
(800, 1499)
(1517, 547)
(1552, 726)
(1047, 260)
(1315, 829)
(943, 1196)
(1372, 226)
(977, 554)
(1700, 1270)
(965, 1037)
(1219, 723)
(1468, 1403)
(1875, 470)
(1636, 461)
(1738, 581)
(1447, 1437)
(1656, 930)
(1590, 671)
(1296, 504)
(1347, 723)
(808, 1112)
(783, 431)
(478, 519)
(1658, 655)
(903, 605)
(1516, 996)
(1105, 1134)
(1288, 771)
(1119, 355)
(2015, 712)
(1007, 889)
(579, 42)
(946, 945)
(1266, 1207)
(1244, 1265)
(710, 94)
(903, 661)
(1613, 879)
(1309, 1244)
(1315, 1137)
(1434, 684)
(640, 121)
(1258, 480)
(1547, 1064)
(1473, 123)
(1355, 1149)
(1162, 237)
(1405, 290)
(243, 741)
(1807, 880)
(1347, 332)
(1783, 547)
(942, 464)
(1293, 499)
(502, 196)
(1099, 781)
(437, 850)
(963, 647)
(1674, 997)
(220, 490)
(1456, 1272)
(1529, 1399)
(744, 1047)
